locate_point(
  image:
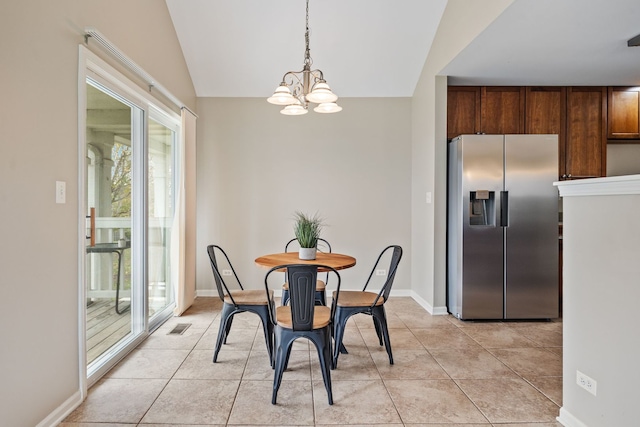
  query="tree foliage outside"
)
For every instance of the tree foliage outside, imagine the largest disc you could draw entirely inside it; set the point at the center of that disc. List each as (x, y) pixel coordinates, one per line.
(121, 181)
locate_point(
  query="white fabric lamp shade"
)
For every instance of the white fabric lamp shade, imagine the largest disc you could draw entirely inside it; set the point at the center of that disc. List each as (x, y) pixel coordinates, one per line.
(321, 93)
(328, 107)
(294, 110)
(281, 96)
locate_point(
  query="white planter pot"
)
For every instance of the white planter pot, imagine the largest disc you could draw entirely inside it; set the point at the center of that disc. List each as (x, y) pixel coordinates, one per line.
(307, 253)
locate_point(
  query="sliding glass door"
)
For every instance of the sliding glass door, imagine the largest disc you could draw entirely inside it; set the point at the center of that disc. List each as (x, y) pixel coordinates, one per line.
(162, 166)
(128, 172)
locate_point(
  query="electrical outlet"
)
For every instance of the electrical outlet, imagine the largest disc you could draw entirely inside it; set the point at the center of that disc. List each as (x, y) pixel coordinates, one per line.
(586, 382)
(226, 272)
(381, 272)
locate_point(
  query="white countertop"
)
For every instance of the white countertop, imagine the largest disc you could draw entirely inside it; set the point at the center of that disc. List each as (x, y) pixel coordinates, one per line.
(608, 186)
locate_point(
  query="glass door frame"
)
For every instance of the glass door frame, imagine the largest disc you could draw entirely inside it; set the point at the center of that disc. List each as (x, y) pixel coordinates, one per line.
(90, 66)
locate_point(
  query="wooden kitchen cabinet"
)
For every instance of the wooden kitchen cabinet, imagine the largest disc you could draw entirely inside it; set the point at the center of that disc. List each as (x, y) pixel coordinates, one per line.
(623, 111)
(585, 149)
(502, 109)
(463, 110)
(546, 113)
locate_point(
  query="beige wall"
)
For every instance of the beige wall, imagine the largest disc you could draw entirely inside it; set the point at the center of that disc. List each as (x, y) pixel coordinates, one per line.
(461, 22)
(256, 167)
(39, 41)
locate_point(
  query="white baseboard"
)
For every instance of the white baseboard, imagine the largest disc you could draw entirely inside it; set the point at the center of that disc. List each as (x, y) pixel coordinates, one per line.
(62, 411)
(434, 311)
(568, 420)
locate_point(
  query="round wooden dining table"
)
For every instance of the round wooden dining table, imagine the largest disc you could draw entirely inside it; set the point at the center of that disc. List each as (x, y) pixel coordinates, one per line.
(337, 261)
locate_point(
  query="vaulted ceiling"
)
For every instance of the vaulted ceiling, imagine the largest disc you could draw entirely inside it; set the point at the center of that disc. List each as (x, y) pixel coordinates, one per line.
(377, 48)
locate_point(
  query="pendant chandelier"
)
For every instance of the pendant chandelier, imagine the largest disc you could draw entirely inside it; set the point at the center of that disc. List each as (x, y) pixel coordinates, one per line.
(299, 88)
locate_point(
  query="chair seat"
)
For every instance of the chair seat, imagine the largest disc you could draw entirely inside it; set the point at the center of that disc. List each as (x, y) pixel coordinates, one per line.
(248, 297)
(357, 299)
(321, 316)
(320, 285)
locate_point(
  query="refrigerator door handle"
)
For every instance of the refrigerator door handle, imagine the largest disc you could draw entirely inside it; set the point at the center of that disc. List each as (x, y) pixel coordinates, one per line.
(504, 209)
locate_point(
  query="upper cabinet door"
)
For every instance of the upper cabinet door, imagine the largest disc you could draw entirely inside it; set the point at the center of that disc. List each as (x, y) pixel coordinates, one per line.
(463, 110)
(502, 109)
(586, 142)
(624, 113)
(546, 113)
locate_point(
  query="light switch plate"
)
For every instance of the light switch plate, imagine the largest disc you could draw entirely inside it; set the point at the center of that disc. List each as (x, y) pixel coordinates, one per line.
(61, 192)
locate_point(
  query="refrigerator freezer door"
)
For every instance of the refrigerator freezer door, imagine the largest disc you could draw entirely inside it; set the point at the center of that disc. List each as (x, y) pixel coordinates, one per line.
(531, 167)
(476, 285)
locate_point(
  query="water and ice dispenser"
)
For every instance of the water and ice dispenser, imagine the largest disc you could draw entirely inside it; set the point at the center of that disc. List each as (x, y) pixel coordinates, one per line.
(482, 207)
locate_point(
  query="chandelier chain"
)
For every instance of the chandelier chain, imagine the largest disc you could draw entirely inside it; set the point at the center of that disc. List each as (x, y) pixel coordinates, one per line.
(307, 52)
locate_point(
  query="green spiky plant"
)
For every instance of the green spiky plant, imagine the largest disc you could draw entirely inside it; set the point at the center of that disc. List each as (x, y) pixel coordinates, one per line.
(307, 229)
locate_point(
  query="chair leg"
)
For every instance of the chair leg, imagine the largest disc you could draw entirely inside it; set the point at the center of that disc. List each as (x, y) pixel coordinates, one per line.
(376, 325)
(340, 322)
(284, 300)
(283, 343)
(228, 328)
(263, 313)
(322, 340)
(223, 330)
(380, 316)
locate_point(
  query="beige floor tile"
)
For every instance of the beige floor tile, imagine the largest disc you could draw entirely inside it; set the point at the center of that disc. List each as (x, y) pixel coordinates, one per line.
(542, 335)
(115, 400)
(450, 425)
(353, 338)
(444, 338)
(550, 387)
(66, 424)
(357, 365)
(238, 339)
(432, 401)
(552, 424)
(193, 402)
(481, 356)
(258, 368)
(422, 320)
(471, 363)
(253, 404)
(400, 339)
(149, 363)
(196, 321)
(409, 365)
(208, 340)
(364, 321)
(531, 362)
(199, 365)
(509, 400)
(178, 425)
(497, 336)
(163, 340)
(354, 402)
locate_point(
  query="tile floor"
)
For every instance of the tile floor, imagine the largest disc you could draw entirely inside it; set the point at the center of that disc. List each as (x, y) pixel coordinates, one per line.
(446, 373)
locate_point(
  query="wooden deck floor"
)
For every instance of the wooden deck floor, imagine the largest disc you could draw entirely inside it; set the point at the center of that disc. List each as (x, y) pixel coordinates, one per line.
(105, 327)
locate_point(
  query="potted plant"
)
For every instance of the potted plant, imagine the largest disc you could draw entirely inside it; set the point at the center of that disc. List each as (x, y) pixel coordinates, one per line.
(307, 230)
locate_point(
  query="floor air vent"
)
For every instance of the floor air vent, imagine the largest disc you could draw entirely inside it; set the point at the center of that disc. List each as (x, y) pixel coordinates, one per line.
(179, 329)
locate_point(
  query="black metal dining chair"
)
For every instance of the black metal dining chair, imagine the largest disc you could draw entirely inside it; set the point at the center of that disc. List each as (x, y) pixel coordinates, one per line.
(238, 301)
(321, 285)
(347, 303)
(302, 318)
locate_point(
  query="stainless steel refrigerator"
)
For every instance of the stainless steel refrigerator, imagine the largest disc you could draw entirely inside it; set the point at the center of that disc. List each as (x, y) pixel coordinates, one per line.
(502, 228)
